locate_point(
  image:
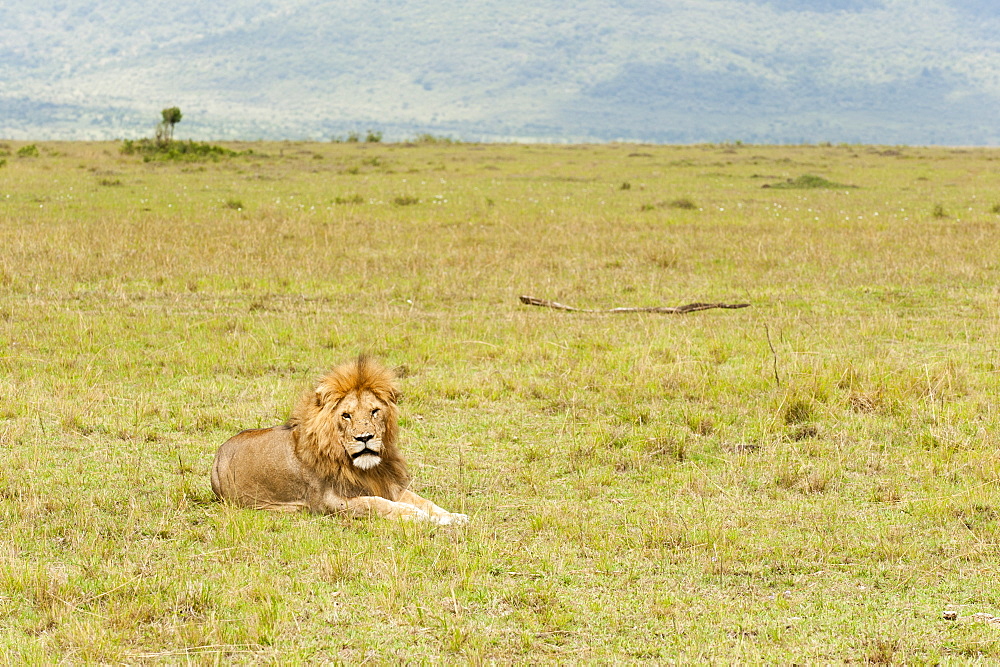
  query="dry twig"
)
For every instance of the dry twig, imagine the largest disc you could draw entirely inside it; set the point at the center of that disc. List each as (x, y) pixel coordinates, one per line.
(670, 310)
(774, 355)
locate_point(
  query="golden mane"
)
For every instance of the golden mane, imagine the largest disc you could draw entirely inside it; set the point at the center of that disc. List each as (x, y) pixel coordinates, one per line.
(317, 442)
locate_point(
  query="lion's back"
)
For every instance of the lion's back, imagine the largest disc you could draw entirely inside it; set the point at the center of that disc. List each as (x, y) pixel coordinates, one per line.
(258, 468)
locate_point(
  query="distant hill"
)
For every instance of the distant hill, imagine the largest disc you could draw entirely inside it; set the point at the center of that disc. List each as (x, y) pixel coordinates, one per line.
(775, 71)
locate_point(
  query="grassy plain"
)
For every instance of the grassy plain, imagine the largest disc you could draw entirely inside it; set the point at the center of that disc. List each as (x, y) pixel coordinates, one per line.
(641, 487)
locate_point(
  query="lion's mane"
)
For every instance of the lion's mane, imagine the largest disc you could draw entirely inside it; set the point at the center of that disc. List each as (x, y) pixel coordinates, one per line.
(317, 442)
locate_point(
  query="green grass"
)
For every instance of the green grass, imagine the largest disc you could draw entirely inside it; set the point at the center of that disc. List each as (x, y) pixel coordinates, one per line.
(641, 487)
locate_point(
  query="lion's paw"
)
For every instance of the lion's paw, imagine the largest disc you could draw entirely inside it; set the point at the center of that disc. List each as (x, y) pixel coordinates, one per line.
(452, 519)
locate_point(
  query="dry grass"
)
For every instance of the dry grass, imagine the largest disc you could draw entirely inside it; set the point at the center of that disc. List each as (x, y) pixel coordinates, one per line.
(641, 487)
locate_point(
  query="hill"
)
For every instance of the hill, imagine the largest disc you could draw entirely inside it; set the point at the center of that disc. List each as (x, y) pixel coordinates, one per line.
(877, 71)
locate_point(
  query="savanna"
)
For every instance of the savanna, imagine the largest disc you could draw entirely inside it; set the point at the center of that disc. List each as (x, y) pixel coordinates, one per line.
(810, 479)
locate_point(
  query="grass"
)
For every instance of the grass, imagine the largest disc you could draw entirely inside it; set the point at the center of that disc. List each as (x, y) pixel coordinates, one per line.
(641, 487)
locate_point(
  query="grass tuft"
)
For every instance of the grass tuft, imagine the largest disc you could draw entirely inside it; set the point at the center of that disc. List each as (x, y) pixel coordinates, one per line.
(352, 199)
(806, 182)
(797, 410)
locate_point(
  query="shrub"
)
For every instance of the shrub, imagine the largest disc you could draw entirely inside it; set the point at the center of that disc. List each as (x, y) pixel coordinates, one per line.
(427, 138)
(681, 203)
(806, 182)
(31, 150)
(353, 199)
(175, 150)
(373, 137)
(405, 200)
(938, 211)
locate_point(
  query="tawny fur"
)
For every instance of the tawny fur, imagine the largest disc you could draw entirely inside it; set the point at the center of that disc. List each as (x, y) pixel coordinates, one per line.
(337, 453)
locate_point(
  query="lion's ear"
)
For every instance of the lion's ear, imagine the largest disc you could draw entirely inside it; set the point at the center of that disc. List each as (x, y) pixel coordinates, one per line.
(326, 394)
(321, 396)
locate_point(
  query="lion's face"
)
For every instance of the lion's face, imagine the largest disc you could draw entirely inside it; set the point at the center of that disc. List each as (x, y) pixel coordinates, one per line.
(346, 428)
(361, 425)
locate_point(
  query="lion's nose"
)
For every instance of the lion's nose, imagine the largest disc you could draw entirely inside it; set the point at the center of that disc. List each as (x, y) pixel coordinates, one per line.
(364, 437)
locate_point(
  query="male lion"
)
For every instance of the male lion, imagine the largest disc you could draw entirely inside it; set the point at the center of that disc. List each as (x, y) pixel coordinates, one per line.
(337, 453)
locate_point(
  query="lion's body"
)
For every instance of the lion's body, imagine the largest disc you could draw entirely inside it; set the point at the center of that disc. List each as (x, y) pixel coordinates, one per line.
(337, 453)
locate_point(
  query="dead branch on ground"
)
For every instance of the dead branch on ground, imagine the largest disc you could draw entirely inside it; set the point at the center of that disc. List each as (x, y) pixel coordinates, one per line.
(670, 310)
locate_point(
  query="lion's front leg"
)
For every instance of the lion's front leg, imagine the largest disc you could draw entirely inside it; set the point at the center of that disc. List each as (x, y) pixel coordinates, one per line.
(437, 514)
(374, 505)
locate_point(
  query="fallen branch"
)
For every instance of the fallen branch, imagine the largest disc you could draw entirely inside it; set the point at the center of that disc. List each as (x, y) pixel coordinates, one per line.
(670, 310)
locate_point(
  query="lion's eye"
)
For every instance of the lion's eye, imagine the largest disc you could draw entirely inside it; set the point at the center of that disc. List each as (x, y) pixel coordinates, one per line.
(374, 412)
(346, 415)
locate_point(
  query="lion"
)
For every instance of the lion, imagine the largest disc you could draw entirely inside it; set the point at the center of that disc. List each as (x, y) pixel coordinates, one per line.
(336, 454)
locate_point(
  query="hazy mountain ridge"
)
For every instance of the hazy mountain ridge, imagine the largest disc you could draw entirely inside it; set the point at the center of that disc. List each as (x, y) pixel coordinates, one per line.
(690, 70)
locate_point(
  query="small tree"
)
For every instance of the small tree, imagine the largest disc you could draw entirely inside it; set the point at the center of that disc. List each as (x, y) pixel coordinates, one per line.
(165, 131)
